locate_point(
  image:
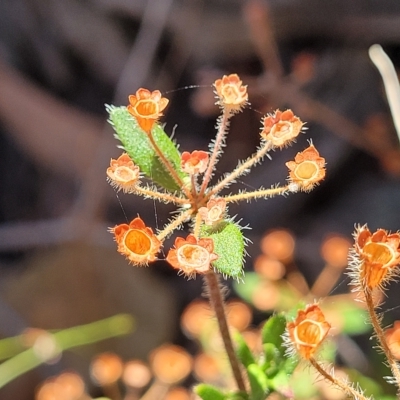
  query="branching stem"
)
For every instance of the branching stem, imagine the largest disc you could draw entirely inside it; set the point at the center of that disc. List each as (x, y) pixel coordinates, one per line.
(219, 141)
(263, 193)
(375, 322)
(174, 224)
(217, 303)
(241, 169)
(337, 382)
(165, 197)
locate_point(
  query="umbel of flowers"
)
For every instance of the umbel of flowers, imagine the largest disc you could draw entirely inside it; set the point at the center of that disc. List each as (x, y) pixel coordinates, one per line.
(152, 167)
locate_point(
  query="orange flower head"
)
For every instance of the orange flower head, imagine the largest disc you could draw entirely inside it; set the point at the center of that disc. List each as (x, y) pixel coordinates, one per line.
(147, 107)
(136, 242)
(392, 336)
(231, 93)
(308, 331)
(375, 257)
(192, 256)
(281, 128)
(123, 174)
(195, 162)
(307, 169)
(214, 212)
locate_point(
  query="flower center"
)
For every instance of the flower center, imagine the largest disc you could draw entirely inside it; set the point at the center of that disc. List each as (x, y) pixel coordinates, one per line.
(193, 256)
(308, 333)
(125, 174)
(281, 129)
(137, 242)
(230, 93)
(378, 253)
(146, 108)
(214, 213)
(306, 170)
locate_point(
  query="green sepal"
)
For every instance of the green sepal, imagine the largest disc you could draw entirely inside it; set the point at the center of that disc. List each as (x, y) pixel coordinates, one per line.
(242, 350)
(138, 146)
(229, 245)
(258, 382)
(209, 392)
(273, 330)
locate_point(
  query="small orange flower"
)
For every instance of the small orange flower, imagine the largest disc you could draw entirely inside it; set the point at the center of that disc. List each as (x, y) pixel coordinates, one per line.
(392, 336)
(214, 212)
(147, 107)
(136, 242)
(379, 253)
(123, 173)
(281, 128)
(308, 331)
(307, 169)
(192, 256)
(232, 95)
(195, 162)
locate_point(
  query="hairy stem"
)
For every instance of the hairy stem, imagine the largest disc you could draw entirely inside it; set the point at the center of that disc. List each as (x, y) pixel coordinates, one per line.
(337, 382)
(258, 194)
(241, 169)
(217, 303)
(174, 224)
(165, 197)
(219, 141)
(375, 322)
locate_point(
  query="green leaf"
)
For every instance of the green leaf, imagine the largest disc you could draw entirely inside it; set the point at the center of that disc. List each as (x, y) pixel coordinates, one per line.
(258, 382)
(208, 392)
(242, 350)
(136, 143)
(273, 330)
(229, 246)
(273, 359)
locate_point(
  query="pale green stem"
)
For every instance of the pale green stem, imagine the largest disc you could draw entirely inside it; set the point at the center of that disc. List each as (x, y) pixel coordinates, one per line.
(168, 198)
(174, 224)
(241, 169)
(263, 193)
(217, 303)
(66, 339)
(337, 382)
(219, 141)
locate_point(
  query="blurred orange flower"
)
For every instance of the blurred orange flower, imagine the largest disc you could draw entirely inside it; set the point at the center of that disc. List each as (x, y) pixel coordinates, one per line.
(281, 128)
(192, 256)
(232, 95)
(147, 107)
(123, 173)
(214, 212)
(308, 331)
(392, 336)
(379, 253)
(137, 242)
(194, 162)
(307, 169)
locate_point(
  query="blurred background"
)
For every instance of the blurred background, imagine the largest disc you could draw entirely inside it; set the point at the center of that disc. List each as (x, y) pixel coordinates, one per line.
(62, 61)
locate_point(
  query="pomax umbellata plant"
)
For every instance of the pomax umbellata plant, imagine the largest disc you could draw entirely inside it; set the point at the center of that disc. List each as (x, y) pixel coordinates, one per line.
(152, 166)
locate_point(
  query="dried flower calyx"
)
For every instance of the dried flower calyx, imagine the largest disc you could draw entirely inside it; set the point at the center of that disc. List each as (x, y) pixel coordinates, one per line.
(231, 93)
(281, 128)
(147, 107)
(192, 255)
(136, 242)
(195, 162)
(308, 331)
(214, 212)
(307, 169)
(375, 256)
(123, 174)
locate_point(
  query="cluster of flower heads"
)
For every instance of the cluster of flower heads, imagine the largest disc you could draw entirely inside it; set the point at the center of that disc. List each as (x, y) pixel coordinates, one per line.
(198, 200)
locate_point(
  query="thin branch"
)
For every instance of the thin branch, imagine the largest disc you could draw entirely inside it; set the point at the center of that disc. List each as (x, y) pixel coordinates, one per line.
(174, 224)
(258, 194)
